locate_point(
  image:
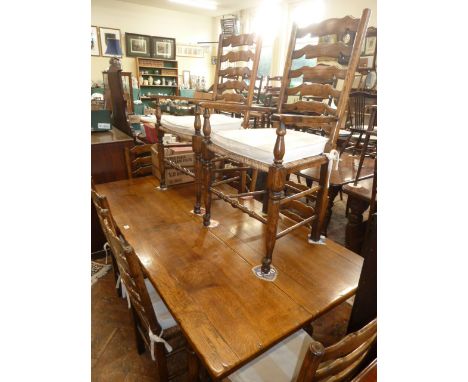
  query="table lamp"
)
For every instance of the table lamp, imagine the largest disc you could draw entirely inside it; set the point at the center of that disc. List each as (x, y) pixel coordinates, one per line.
(113, 48)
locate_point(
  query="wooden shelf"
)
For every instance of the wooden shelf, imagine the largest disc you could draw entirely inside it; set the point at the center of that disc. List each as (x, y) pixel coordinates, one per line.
(157, 75)
(165, 71)
(158, 86)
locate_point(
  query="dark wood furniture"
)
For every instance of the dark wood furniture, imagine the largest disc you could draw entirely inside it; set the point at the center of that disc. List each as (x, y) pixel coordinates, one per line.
(138, 160)
(359, 199)
(313, 115)
(160, 335)
(127, 88)
(119, 104)
(302, 359)
(205, 276)
(345, 173)
(369, 374)
(107, 165)
(230, 82)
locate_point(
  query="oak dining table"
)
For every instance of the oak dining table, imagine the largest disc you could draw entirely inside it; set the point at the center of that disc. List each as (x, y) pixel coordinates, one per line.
(205, 277)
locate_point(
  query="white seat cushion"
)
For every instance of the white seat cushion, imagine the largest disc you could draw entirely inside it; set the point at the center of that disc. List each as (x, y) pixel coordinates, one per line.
(163, 315)
(281, 363)
(258, 144)
(183, 124)
(344, 133)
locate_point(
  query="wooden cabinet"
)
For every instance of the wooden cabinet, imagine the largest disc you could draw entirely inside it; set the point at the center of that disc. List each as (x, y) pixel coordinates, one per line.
(157, 77)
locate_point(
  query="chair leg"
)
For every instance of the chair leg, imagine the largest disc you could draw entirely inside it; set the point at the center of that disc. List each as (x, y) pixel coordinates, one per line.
(275, 186)
(160, 145)
(197, 149)
(140, 343)
(320, 204)
(161, 361)
(207, 157)
(193, 366)
(207, 180)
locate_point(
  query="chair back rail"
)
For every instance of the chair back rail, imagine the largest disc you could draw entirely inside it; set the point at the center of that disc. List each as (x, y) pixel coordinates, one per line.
(138, 160)
(236, 70)
(331, 62)
(340, 361)
(133, 279)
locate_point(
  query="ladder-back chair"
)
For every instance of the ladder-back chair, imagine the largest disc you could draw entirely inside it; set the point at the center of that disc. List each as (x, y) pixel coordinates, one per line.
(231, 82)
(280, 152)
(360, 123)
(155, 328)
(299, 358)
(101, 204)
(138, 160)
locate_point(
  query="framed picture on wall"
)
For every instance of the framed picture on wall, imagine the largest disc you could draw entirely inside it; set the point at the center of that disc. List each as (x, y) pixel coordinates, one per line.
(190, 51)
(95, 44)
(163, 47)
(137, 45)
(105, 34)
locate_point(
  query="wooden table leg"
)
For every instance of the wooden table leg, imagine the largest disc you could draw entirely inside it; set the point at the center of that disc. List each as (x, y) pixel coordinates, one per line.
(355, 228)
(332, 193)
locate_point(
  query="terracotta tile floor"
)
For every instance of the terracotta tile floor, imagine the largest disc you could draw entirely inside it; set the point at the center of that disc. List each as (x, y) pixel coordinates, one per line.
(113, 348)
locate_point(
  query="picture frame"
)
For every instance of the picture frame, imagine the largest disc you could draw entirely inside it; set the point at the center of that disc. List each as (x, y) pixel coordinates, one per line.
(371, 43)
(137, 45)
(163, 47)
(95, 43)
(195, 51)
(106, 33)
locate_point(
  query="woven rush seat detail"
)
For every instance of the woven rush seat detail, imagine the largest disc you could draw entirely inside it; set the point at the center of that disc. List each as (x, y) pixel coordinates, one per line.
(258, 144)
(183, 124)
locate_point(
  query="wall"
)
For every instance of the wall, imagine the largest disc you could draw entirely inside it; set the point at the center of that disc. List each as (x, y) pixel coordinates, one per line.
(128, 17)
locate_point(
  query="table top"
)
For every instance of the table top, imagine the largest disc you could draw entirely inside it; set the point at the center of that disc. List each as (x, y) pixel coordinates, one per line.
(204, 275)
(346, 172)
(363, 191)
(111, 136)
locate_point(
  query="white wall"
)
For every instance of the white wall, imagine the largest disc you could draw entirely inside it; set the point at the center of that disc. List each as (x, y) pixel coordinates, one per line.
(128, 17)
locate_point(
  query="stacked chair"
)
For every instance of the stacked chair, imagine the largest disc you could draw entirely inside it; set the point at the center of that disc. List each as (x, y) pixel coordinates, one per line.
(279, 151)
(233, 92)
(155, 328)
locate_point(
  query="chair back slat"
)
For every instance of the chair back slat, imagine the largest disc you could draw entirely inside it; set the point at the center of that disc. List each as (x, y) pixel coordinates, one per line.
(344, 363)
(339, 361)
(133, 279)
(337, 26)
(236, 70)
(317, 90)
(239, 40)
(335, 50)
(324, 54)
(138, 160)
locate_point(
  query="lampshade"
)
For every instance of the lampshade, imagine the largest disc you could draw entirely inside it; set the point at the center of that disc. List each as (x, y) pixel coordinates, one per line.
(113, 47)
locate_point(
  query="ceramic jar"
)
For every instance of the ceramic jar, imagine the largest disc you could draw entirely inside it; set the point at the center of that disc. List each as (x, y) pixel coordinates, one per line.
(150, 80)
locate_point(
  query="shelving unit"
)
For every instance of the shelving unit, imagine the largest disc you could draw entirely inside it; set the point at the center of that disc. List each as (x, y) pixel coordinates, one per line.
(165, 71)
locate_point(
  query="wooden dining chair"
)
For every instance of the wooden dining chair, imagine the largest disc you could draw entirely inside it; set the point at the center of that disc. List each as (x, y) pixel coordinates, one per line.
(155, 328)
(101, 204)
(280, 152)
(138, 160)
(299, 358)
(360, 121)
(238, 57)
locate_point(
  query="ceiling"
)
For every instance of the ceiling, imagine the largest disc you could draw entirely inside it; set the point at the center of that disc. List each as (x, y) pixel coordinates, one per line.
(224, 6)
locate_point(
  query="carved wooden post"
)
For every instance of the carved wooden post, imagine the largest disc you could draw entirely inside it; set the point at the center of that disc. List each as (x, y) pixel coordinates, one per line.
(197, 149)
(320, 204)
(207, 156)
(355, 228)
(160, 145)
(275, 186)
